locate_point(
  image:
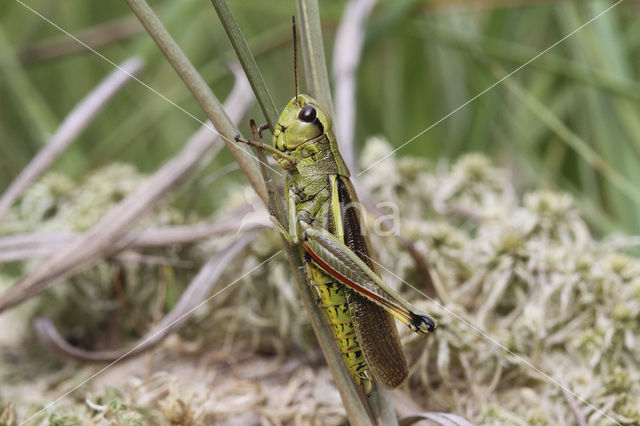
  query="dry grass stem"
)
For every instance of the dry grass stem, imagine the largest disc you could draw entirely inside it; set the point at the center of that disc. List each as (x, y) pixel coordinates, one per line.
(101, 239)
(37, 245)
(77, 120)
(347, 51)
(191, 298)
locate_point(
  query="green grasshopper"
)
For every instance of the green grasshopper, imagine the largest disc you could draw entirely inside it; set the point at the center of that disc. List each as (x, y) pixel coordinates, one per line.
(327, 226)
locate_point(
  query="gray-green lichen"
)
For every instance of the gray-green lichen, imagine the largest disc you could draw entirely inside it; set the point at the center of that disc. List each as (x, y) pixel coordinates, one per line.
(533, 300)
(112, 301)
(529, 302)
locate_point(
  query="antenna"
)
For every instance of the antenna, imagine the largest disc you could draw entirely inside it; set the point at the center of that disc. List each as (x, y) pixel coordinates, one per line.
(295, 55)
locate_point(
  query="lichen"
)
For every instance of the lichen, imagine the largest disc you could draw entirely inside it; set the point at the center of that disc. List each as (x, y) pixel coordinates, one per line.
(112, 301)
(531, 302)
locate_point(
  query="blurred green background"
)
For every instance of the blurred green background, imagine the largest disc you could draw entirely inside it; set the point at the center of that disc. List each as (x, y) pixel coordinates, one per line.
(570, 119)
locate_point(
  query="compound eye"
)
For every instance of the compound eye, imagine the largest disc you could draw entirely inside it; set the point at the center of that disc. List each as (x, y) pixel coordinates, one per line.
(307, 114)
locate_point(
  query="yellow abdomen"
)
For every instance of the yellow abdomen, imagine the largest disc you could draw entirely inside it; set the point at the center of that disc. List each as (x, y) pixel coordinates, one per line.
(333, 298)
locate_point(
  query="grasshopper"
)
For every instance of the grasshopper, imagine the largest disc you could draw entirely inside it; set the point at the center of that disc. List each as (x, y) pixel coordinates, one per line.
(326, 224)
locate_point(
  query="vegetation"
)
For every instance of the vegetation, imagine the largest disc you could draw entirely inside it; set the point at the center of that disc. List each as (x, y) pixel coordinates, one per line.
(421, 60)
(521, 250)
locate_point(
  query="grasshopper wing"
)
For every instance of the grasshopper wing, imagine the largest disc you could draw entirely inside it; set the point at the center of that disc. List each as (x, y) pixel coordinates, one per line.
(375, 328)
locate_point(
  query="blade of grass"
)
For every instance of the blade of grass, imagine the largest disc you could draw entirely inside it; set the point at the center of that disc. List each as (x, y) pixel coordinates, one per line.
(379, 402)
(315, 64)
(240, 46)
(318, 84)
(610, 118)
(201, 92)
(569, 137)
(356, 411)
(35, 112)
(247, 61)
(346, 59)
(518, 54)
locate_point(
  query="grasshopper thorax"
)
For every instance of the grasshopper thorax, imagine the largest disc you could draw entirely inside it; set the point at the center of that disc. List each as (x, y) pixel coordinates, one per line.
(305, 134)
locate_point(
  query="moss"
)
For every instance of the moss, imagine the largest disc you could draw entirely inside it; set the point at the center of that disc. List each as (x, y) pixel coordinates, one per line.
(526, 285)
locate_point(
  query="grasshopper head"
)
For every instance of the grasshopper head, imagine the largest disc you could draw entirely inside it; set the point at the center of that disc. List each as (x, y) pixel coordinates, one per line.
(301, 123)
